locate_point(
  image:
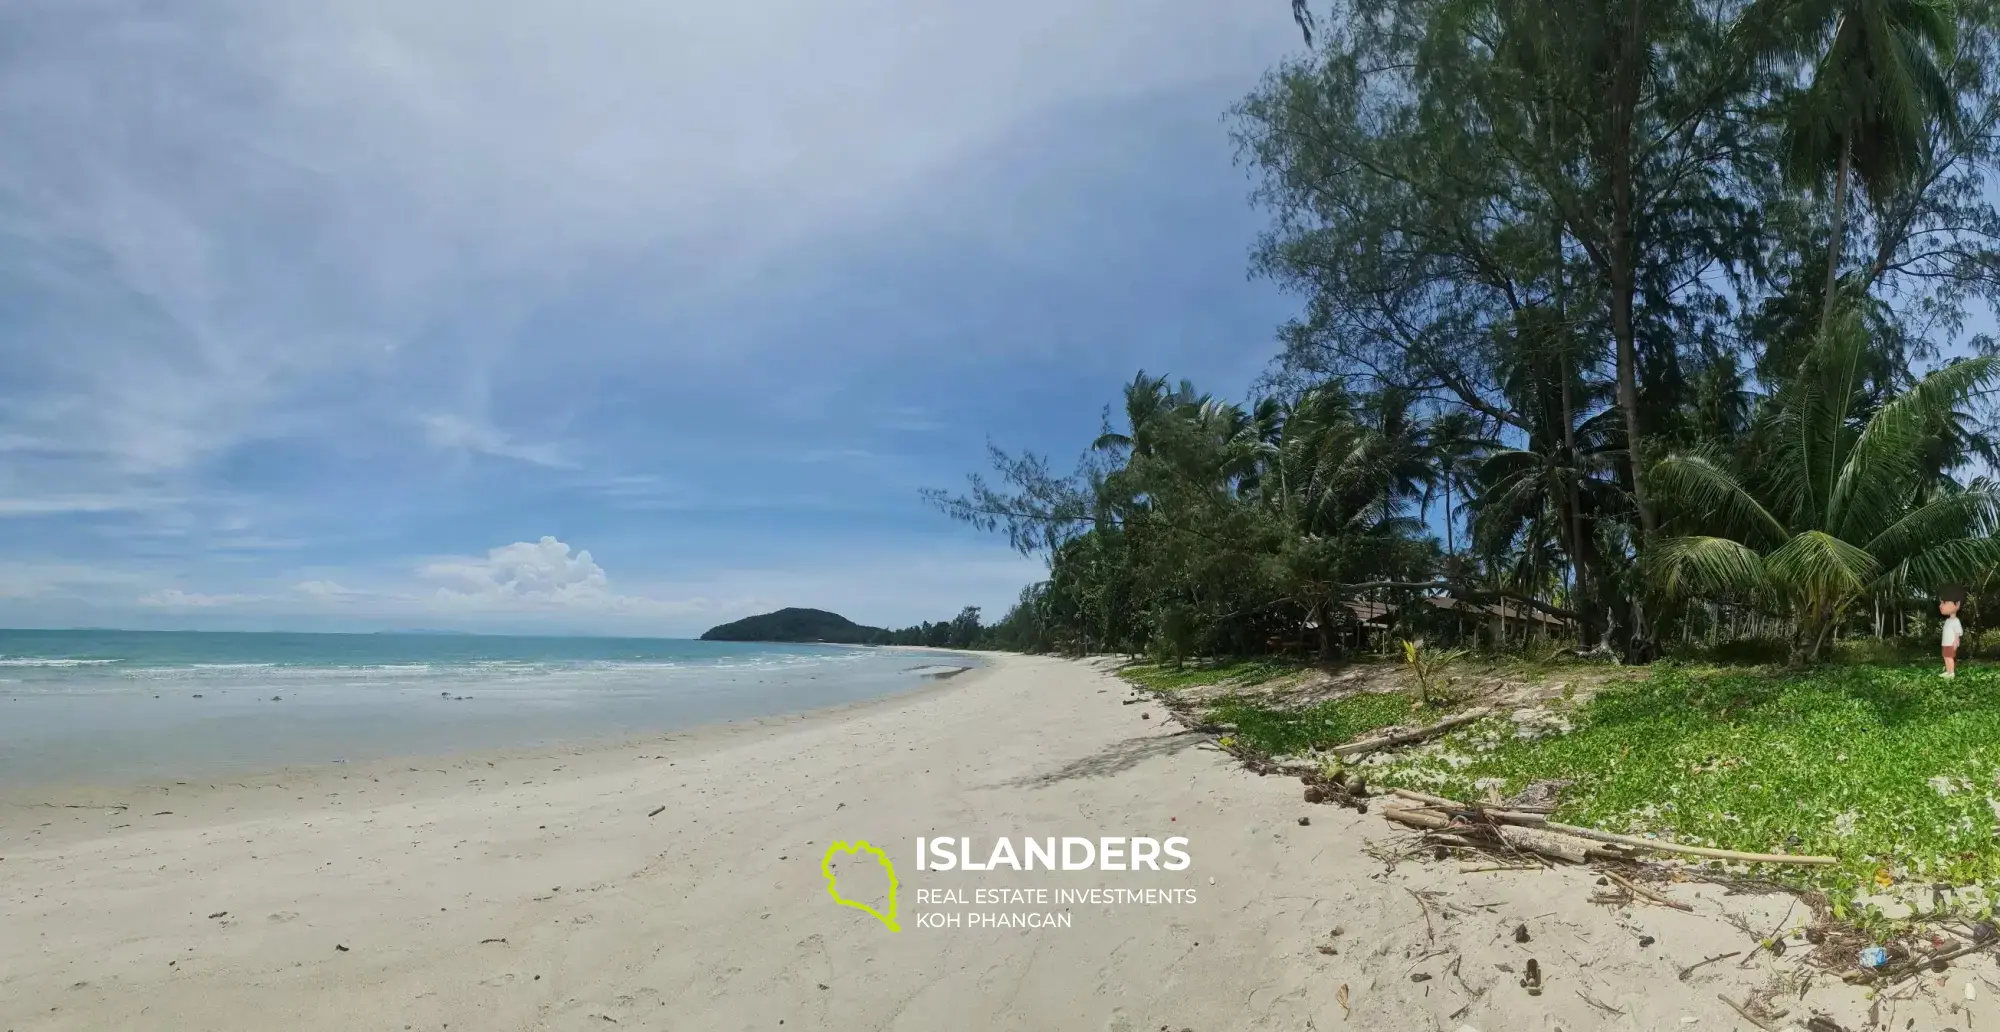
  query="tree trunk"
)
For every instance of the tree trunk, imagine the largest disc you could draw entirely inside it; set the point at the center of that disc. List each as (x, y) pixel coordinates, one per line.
(1578, 561)
(1450, 548)
(1833, 239)
(1622, 273)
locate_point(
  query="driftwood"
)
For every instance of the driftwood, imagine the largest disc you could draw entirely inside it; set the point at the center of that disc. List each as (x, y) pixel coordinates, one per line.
(1644, 893)
(1675, 847)
(1354, 749)
(1459, 817)
(1531, 840)
(1504, 837)
(1746, 1015)
(1428, 799)
(1417, 818)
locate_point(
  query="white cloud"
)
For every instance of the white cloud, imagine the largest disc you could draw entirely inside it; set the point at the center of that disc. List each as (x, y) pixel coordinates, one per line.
(456, 433)
(544, 570)
(323, 590)
(174, 598)
(65, 504)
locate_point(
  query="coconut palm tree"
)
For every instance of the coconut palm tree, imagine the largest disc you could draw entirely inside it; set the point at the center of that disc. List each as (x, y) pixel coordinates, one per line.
(1838, 506)
(1876, 89)
(1455, 443)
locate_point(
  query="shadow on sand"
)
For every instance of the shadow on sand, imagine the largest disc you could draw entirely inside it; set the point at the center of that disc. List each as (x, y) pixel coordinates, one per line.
(1116, 759)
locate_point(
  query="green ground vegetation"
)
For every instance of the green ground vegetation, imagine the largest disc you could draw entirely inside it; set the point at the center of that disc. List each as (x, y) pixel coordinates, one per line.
(1892, 769)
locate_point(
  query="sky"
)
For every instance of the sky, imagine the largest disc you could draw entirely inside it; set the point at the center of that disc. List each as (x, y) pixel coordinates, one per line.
(602, 316)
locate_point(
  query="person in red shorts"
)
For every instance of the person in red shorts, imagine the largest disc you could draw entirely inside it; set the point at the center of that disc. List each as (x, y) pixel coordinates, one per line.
(1949, 601)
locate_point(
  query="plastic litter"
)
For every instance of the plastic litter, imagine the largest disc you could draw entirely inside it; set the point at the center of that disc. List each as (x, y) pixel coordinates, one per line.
(1874, 957)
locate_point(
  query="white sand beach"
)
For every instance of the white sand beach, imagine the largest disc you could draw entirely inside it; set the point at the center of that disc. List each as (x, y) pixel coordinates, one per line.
(534, 891)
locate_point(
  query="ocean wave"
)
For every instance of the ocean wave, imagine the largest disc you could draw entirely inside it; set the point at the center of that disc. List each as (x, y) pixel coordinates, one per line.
(32, 661)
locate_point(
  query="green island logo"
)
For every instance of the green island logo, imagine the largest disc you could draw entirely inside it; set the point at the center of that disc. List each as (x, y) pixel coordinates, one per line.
(833, 889)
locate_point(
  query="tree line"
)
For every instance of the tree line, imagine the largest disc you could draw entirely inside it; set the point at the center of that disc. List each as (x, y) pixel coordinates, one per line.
(1654, 318)
(960, 632)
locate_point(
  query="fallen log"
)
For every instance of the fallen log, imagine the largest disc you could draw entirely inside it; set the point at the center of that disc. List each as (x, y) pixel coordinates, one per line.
(1531, 840)
(1417, 818)
(1497, 814)
(1354, 749)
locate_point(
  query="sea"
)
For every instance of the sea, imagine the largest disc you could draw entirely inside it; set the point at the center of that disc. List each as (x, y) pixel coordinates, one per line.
(128, 707)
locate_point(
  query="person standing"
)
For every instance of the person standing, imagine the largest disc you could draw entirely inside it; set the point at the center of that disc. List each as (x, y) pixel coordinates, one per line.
(1949, 602)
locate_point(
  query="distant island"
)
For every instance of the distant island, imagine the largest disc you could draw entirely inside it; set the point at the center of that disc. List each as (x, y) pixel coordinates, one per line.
(817, 626)
(797, 625)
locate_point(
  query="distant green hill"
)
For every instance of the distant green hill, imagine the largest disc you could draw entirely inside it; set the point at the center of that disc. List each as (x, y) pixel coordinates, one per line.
(800, 625)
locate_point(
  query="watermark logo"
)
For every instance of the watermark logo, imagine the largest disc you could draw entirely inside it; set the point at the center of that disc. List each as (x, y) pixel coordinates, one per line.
(833, 887)
(1070, 859)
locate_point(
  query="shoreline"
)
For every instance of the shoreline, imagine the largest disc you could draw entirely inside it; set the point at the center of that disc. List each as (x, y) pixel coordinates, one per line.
(104, 795)
(680, 882)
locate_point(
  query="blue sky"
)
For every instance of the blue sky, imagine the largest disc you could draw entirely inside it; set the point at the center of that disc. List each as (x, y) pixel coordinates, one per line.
(350, 314)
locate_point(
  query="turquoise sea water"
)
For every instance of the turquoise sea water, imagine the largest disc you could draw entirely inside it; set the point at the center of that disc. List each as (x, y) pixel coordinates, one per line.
(111, 707)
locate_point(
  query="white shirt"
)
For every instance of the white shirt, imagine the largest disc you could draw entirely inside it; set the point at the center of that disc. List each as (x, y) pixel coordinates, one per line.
(1951, 630)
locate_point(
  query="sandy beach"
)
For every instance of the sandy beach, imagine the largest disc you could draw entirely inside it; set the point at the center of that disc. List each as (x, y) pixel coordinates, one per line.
(675, 883)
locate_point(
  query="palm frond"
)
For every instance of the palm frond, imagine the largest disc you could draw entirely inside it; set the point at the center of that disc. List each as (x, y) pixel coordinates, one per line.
(1696, 484)
(1965, 561)
(1972, 512)
(1818, 565)
(1684, 566)
(1875, 483)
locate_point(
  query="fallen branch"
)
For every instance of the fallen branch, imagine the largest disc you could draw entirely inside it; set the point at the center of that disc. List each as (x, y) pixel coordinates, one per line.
(1648, 894)
(1675, 847)
(1426, 798)
(1493, 814)
(1747, 1016)
(1689, 971)
(1537, 820)
(1506, 838)
(1350, 751)
(1599, 1004)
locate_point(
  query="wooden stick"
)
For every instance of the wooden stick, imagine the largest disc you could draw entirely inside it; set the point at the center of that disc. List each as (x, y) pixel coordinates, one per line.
(1672, 847)
(1688, 972)
(1644, 893)
(1405, 737)
(1738, 1008)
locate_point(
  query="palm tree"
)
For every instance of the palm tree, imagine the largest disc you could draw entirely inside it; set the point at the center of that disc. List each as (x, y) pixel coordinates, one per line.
(1399, 448)
(1875, 91)
(1455, 444)
(1837, 508)
(1145, 398)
